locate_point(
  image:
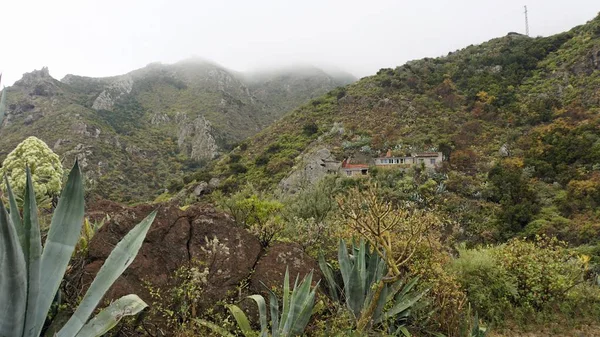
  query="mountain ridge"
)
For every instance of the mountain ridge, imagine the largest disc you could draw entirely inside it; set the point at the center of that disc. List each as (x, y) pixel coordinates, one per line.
(172, 117)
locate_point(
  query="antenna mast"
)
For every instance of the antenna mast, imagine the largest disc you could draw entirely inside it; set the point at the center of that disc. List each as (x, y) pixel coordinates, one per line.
(526, 22)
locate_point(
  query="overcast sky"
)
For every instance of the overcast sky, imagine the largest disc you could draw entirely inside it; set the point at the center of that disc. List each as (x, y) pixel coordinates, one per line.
(110, 37)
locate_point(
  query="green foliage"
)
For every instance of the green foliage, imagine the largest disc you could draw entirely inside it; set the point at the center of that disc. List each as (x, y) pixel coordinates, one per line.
(178, 305)
(257, 212)
(44, 165)
(364, 291)
(87, 233)
(510, 186)
(522, 278)
(298, 304)
(31, 274)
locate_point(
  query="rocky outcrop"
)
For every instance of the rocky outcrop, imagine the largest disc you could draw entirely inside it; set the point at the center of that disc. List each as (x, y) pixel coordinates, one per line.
(117, 89)
(195, 138)
(176, 237)
(270, 269)
(39, 83)
(314, 167)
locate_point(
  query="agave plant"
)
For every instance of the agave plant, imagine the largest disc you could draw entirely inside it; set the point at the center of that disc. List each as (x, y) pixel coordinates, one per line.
(362, 273)
(30, 274)
(296, 312)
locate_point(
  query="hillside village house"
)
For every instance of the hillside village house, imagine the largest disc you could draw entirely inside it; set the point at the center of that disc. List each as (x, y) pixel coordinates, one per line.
(429, 159)
(353, 170)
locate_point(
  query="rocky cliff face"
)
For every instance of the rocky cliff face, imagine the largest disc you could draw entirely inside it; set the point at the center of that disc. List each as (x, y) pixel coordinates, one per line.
(135, 132)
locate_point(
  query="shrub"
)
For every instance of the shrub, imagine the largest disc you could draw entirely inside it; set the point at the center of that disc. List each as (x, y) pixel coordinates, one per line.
(490, 289)
(544, 269)
(310, 129)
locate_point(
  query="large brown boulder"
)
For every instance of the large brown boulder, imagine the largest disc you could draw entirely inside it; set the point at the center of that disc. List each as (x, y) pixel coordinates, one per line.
(175, 238)
(271, 267)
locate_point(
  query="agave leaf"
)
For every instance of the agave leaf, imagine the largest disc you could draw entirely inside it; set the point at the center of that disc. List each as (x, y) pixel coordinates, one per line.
(119, 259)
(404, 304)
(109, 317)
(14, 213)
(298, 297)
(361, 263)
(404, 331)
(274, 308)
(262, 313)
(64, 234)
(241, 320)
(286, 298)
(13, 279)
(355, 292)
(33, 246)
(345, 266)
(305, 313)
(327, 271)
(215, 328)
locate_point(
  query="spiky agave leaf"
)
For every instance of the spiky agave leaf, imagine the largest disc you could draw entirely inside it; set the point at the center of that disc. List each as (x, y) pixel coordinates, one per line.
(13, 278)
(119, 259)
(108, 318)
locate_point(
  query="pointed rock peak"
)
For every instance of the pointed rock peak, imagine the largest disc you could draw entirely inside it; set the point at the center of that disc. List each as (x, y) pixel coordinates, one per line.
(34, 77)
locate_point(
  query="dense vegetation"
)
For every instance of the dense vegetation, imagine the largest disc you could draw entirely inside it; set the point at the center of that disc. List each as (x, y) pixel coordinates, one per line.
(504, 233)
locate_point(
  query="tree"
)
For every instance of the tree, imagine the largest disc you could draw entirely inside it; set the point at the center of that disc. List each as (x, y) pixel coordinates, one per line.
(46, 169)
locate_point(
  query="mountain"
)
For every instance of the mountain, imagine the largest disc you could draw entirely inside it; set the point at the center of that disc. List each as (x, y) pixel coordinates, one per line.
(517, 119)
(135, 132)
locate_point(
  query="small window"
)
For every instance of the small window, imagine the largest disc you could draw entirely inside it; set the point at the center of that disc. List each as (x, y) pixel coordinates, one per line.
(397, 161)
(364, 172)
(432, 161)
(421, 160)
(349, 173)
(402, 161)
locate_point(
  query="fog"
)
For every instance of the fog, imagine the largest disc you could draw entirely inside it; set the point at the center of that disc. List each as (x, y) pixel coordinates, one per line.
(110, 37)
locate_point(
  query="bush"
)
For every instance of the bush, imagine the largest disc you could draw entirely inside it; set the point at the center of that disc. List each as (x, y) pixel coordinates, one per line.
(310, 129)
(490, 288)
(237, 168)
(521, 278)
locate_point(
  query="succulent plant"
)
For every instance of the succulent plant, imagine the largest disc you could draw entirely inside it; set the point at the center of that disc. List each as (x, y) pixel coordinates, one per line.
(362, 273)
(297, 309)
(30, 275)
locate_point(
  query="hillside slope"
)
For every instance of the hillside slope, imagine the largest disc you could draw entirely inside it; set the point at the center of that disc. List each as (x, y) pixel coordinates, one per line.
(135, 132)
(516, 118)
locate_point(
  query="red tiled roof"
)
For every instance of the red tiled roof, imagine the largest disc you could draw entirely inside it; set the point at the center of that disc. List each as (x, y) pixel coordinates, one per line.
(426, 154)
(345, 164)
(355, 166)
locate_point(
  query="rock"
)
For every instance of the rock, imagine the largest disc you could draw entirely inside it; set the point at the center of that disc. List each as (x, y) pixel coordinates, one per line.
(28, 120)
(201, 188)
(271, 267)
(314, 167)
(175, 238)
(39, 83)
(117, 89)
(504, 150)
(195, 138)
(85, 130)
(159, 118)
(214, 182)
